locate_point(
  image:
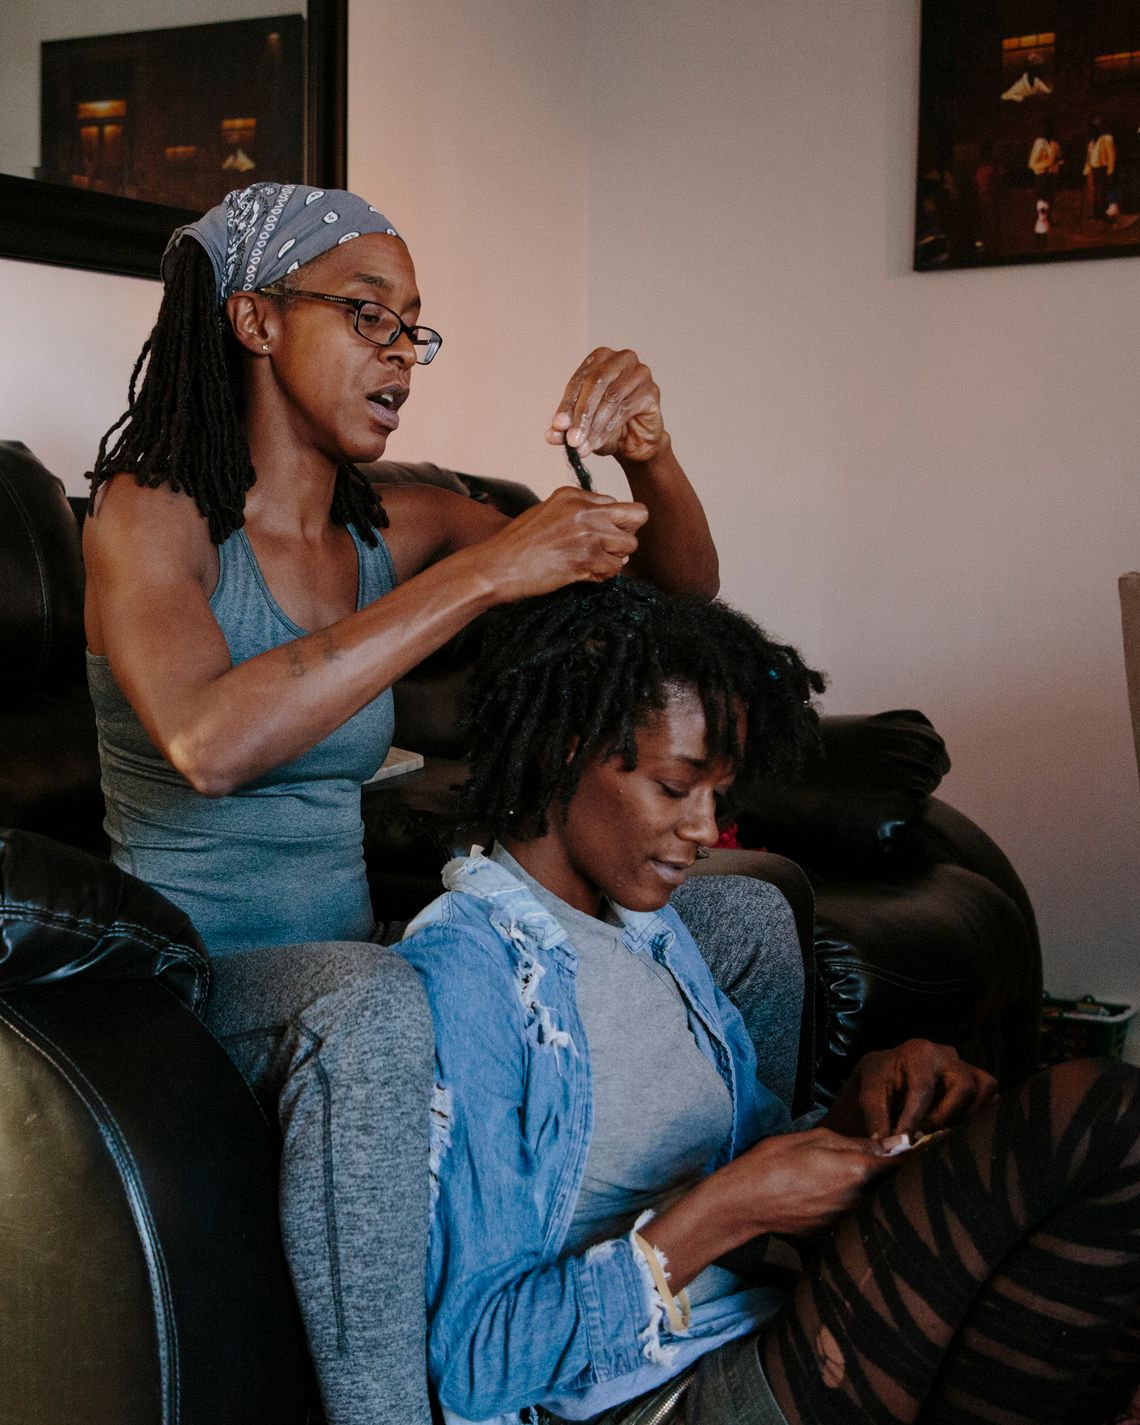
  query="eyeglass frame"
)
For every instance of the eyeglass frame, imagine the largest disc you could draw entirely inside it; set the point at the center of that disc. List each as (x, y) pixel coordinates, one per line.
(275, 289)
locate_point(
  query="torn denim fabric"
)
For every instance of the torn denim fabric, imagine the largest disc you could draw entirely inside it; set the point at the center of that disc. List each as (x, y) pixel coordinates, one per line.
(513, 1323)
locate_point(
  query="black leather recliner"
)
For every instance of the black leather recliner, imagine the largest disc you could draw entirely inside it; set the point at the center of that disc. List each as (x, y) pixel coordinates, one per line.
(922, 927)
(139, 1248)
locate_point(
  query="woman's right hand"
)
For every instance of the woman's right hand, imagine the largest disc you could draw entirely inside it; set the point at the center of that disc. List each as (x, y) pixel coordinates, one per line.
(152, 568)
(573, 535)
(800, 1183)
(795, 1184)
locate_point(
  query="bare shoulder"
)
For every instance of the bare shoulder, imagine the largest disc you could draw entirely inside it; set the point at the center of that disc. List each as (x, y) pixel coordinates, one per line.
(145, 551)
(133, 524)
(426, 523)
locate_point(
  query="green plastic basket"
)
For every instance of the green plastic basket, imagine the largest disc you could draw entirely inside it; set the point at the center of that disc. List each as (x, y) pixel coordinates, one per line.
(1083, 1028)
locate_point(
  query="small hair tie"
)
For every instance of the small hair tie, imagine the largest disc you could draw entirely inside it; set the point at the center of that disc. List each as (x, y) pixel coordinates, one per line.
(677, 1308)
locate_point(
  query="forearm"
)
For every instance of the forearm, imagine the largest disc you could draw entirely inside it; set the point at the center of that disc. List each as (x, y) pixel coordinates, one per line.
(793, 1183)
(221, 726)
(274, 707)
(700, 1228)
(675, 547)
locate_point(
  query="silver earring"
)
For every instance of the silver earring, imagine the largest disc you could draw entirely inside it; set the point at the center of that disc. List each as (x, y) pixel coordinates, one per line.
(265, 346)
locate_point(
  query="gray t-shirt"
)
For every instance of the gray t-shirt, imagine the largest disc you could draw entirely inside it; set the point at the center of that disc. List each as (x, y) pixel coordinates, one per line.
(661, 1109)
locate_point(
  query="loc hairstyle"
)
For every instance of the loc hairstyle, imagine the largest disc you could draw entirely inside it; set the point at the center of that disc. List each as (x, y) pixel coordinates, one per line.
(570, 676)
(182, 426)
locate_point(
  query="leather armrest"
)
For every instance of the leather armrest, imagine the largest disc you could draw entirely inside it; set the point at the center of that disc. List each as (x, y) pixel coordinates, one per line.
(942, 834)
(856, 797)
(41, 593)
(65, 913)
(941, 953)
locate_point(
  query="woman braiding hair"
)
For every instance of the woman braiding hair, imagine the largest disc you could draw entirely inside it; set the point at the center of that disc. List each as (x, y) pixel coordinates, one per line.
(249, 605)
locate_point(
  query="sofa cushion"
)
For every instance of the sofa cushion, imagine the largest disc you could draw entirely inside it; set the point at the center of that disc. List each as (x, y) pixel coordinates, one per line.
(421, 472)
(941, 953)
(49, 771)
(65, 913)
(41, 595)
(853, 802)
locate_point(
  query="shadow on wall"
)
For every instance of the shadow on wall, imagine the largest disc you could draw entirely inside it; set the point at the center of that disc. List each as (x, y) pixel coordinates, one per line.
(1068, 750)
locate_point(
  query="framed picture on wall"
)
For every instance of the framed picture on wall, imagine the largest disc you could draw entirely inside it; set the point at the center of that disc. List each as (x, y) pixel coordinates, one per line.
(1029, 132)
(177, 116)
(112, 138)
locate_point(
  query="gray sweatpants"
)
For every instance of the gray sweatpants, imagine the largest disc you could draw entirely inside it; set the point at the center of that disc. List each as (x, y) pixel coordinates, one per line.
(336, 1042)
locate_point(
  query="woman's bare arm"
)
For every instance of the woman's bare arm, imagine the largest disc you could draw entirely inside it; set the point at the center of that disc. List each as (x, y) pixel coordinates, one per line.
(794, 1183)
(148, 559)
(612, 406)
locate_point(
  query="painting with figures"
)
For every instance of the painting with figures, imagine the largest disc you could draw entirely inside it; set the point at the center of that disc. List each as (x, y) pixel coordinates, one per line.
(1029, 132)
(176, 116)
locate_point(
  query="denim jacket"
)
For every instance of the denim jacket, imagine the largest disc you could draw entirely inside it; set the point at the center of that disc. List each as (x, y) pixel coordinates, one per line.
(511, 1322)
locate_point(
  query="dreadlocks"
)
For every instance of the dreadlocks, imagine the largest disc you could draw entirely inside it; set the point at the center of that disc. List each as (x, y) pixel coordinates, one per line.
(572, 675)
(182, 426)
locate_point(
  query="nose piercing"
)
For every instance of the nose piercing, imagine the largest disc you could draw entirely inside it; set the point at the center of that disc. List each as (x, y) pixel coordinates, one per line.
(702, 853)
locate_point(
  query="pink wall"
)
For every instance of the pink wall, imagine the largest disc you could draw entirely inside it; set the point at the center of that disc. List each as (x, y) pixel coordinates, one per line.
(928, 482)
(475, 146)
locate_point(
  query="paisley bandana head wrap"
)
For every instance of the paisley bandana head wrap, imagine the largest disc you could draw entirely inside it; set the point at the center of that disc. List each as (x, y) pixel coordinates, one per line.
(256, 235)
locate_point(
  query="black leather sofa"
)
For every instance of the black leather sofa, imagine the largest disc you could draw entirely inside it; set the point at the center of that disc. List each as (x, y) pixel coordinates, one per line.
(913, 918)
(143, 1276)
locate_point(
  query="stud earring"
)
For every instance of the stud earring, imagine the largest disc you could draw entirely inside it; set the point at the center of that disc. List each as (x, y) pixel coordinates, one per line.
(265, 346)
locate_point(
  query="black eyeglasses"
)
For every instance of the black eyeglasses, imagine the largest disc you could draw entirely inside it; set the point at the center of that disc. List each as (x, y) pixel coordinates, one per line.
(373, 321)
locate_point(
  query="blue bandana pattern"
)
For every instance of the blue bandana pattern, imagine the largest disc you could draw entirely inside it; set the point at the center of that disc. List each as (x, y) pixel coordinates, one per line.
(256, 235)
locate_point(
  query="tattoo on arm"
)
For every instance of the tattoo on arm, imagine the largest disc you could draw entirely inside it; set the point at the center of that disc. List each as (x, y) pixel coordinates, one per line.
(296, 662)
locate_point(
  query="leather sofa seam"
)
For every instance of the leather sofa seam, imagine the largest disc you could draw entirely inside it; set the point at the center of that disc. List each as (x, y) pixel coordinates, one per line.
(902, 981)
(40, 915)
(116, 1143)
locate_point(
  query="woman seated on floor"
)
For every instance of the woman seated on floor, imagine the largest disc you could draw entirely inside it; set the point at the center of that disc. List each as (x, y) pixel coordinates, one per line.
(603, 1153)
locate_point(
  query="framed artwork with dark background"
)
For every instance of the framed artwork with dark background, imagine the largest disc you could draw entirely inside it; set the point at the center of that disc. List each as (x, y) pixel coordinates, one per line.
(114, 138)
(1029, 132)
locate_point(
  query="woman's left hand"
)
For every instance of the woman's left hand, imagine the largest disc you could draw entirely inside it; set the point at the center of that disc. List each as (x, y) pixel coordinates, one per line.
(611, 406)
(919, 1085)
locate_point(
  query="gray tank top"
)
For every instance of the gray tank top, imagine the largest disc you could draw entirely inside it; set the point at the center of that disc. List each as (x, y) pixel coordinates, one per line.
(279, 861)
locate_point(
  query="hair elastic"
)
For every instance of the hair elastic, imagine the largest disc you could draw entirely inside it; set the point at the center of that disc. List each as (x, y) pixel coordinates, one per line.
(677, 1308)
